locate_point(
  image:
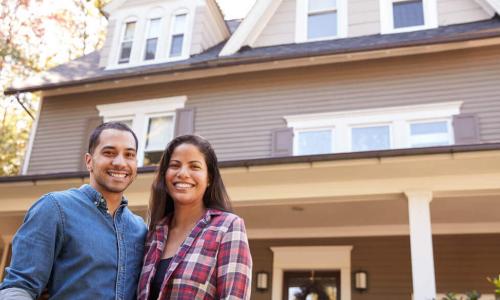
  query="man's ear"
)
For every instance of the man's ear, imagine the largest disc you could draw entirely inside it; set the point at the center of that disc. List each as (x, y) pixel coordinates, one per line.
(88, 161)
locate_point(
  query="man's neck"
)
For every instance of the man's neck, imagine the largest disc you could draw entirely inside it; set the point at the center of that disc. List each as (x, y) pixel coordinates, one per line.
(113, 200)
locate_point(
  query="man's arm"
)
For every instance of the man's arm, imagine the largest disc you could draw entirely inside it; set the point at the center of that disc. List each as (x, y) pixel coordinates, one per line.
(34, 248)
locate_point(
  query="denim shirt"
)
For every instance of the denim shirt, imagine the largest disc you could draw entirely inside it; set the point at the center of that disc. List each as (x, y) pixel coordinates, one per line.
(70, 244)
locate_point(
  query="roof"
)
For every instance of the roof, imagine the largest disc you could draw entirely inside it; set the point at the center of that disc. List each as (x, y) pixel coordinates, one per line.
(86, 69)
(289, 159)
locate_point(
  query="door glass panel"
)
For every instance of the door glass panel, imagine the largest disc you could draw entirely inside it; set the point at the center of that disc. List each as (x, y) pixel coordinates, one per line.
(312, 285)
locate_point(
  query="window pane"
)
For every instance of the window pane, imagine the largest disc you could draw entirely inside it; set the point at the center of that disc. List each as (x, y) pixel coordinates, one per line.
(408, 13)
(150, 49)
(370, 138)
(322, 25)
(126, 122)
(129, 31)
(154, 28)
(152, 158)
(179, 24)
(429, 134)
(176, 47)
(427, 128)
(316, 5)
(159, 133)
(125, 52)
(314, 142)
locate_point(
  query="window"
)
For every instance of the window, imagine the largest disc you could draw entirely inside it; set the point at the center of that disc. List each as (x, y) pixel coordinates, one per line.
(407, 15)
(321, 19)
(152, 121)
(127, 42)
(376, 129)
(178, 32)
(370, 138)
(314, 284)
(152, 39)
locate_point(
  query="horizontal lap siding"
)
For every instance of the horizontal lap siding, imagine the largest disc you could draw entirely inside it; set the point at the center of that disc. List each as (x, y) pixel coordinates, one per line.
(281, 27)
(462, 263)
(237, 113)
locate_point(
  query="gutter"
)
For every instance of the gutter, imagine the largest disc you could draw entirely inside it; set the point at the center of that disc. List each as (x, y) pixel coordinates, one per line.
(284, 160)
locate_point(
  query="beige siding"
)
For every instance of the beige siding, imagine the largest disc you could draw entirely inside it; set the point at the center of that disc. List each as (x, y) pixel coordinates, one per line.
(237, 113)
(281, 27)
(460, 11)
(363, 19)
(209, 28)
(462, 263)
(108, 45)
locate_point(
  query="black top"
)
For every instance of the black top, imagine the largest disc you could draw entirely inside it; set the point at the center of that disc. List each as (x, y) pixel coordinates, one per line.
(161, 270)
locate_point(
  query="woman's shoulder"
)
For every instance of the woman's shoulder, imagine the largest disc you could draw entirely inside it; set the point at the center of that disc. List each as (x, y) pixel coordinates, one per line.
(223, 218)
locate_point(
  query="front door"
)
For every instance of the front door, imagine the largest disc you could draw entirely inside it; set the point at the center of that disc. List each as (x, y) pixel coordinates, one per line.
(311, 285)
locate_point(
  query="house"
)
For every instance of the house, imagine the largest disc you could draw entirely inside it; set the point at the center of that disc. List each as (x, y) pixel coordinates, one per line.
(358, 139)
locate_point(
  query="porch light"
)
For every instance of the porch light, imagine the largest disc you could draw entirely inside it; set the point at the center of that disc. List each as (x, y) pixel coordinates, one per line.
(262, 281)
(361, 281)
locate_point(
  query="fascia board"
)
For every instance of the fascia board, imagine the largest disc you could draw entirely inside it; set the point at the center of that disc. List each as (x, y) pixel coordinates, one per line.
(251, 26)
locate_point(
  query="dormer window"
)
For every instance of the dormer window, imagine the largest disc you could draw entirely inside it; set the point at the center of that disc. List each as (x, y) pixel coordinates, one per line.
(177, 35)
(407, 15)
(127, 42)
(152, 37)
(321, 20)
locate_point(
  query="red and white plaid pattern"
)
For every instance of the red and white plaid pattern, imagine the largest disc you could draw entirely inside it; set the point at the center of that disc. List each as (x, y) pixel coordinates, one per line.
(214, 262)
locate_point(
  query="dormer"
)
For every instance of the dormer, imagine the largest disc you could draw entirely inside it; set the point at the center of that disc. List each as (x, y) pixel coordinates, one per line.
(151, 32)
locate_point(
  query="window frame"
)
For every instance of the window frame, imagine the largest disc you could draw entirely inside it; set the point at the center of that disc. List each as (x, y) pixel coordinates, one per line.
(171, 35)
(301, 21)
(387, 16)
(449, 127)
(298, 131)
(389, 124)
(140, 111)
(147, 37)
(122, 40)
(398, 118)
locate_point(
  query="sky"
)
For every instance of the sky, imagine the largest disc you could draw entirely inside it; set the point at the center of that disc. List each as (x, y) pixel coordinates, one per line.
(235, 9)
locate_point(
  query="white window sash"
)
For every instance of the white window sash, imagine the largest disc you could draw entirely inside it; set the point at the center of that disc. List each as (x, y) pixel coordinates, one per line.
(387, 16)
(303, 13)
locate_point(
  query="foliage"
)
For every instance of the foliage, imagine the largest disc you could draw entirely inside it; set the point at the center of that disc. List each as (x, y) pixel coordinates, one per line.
(36, 35)
(473, 295)
(496, 283)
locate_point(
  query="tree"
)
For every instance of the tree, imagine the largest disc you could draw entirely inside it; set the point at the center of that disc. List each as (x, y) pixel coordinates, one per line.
(36, 35)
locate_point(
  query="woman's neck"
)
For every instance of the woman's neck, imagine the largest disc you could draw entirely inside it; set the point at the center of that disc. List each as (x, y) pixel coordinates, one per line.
(186, 217)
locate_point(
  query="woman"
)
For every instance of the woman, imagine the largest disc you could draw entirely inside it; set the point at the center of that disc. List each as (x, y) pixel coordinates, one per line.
(196, 248)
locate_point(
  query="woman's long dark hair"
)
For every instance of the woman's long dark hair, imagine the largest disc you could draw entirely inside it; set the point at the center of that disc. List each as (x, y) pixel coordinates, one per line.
(161, 203)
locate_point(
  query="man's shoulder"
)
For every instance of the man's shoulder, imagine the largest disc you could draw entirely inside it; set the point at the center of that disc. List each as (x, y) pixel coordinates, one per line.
(134, 219)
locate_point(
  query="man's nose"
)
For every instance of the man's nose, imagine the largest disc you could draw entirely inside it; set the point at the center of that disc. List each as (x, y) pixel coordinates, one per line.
(119, 160)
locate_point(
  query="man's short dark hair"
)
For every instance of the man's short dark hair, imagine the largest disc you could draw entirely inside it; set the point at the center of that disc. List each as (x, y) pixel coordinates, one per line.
(94, 137)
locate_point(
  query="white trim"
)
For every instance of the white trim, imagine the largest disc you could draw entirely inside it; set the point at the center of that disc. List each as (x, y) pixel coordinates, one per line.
(140, 112)
(186, 41)
(371, 230)
(251, 27)
(31, 139)
(317, 258)
(397, 117)
(494, 4)
(387, 18)
(147, 37)
(301, 21)
(122, 39)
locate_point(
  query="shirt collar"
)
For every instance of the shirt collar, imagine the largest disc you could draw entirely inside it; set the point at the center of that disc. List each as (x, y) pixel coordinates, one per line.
(97, 197)
(206, 218)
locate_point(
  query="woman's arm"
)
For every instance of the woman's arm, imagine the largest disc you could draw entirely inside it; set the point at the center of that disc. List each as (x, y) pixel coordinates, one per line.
(234, 264)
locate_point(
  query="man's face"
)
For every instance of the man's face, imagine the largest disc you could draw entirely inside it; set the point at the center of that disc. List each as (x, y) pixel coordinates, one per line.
(113, 165)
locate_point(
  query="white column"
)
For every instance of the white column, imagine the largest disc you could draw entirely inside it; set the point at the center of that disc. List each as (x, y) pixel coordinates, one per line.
(422, 256)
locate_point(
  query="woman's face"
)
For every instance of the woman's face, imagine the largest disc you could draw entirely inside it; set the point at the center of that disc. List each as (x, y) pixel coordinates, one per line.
(187, 176)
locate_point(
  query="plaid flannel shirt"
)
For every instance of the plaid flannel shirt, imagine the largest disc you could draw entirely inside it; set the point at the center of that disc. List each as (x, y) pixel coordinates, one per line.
(213, 262)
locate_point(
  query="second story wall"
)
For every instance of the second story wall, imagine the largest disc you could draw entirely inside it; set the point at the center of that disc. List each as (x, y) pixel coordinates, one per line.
(237, 113)
(363, 18)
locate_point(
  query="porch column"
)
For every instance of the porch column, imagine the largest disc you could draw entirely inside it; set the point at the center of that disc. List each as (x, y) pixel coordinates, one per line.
(422, 256)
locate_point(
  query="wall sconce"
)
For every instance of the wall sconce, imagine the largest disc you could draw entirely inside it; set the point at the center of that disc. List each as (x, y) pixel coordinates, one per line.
(262, 281)
(361, 281)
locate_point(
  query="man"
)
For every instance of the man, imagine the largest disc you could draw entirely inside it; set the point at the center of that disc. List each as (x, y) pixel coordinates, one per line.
(83, 243)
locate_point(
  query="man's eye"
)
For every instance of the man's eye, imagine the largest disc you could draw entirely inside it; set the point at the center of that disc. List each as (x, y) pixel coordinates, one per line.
(130, 155)
(107, 153)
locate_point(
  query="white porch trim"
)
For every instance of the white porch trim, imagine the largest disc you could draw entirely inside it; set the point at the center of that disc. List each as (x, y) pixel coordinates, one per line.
(422, 256)
(318, 258)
